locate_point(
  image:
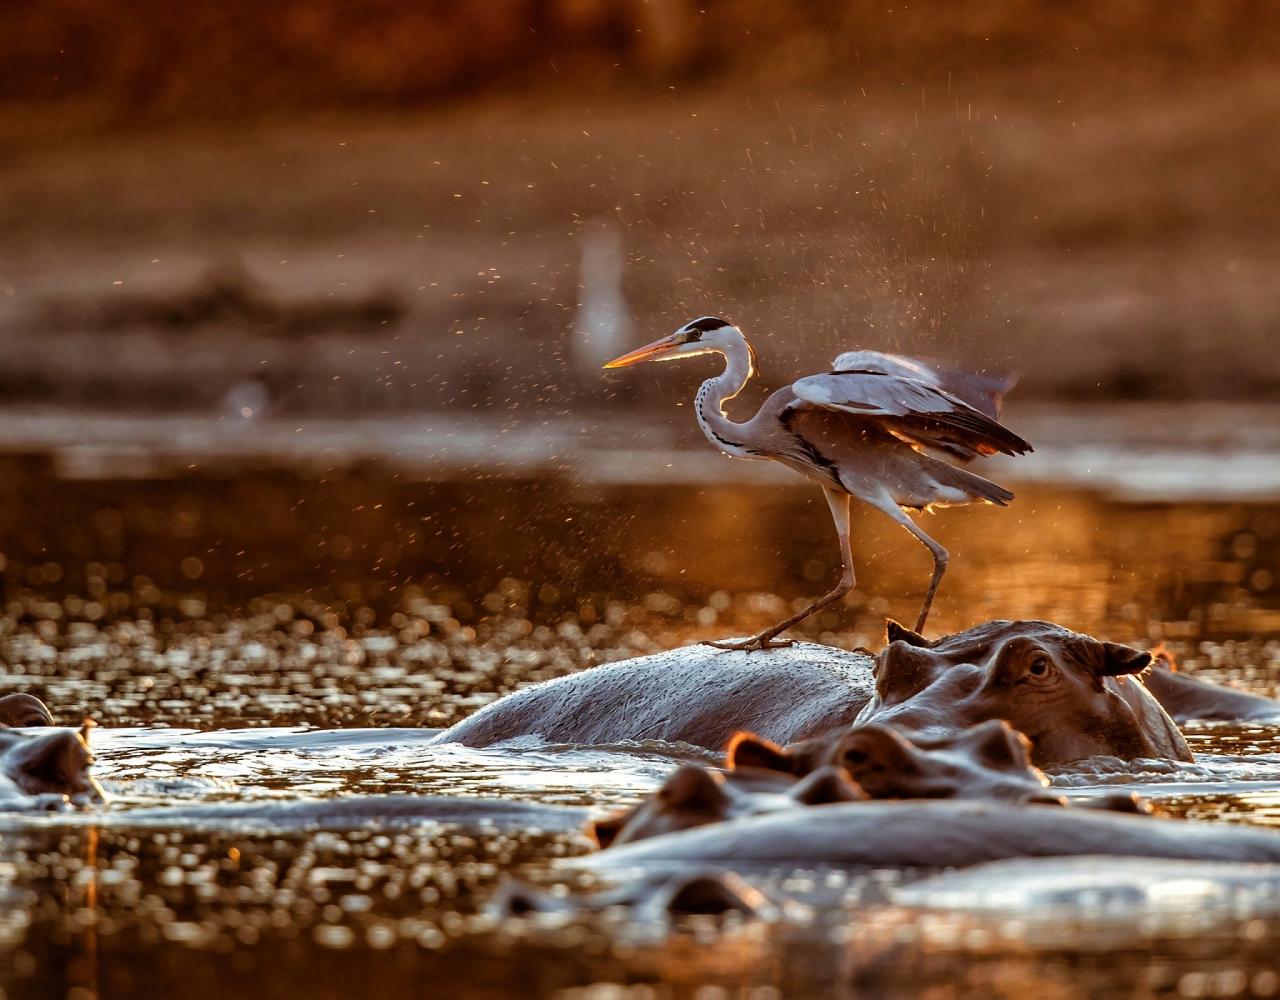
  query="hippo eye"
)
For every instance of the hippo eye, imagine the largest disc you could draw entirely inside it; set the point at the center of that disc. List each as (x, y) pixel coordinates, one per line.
(1039, 667)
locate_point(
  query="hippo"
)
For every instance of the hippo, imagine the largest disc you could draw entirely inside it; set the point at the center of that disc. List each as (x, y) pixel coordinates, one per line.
(47, 770)
(1124, 893)
(24, 710)
(934, 834)
(696, 695)
(1187, 697)
(694, 796)
(1115, 890)
(1073, 695)
(988, 761)
(653, 898)
(358, 812)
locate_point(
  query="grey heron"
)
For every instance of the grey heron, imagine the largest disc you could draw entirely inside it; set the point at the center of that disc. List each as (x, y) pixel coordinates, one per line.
(878, 427)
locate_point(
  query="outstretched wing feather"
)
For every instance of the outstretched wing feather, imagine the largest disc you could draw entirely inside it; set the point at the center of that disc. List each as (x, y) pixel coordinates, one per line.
(984, 391)
(911, 409)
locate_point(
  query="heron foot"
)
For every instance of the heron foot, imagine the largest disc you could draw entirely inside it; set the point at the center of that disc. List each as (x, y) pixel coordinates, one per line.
(756, 642)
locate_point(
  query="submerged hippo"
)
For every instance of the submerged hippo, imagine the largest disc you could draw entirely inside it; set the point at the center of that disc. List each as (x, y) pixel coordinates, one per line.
(942, 834)
(24, 710)
(988, 761)
(1115, 890)
(1186, 697)
(1124, 893)
(655, 898)
(1073, 695)
(46, 770)
(694, 796)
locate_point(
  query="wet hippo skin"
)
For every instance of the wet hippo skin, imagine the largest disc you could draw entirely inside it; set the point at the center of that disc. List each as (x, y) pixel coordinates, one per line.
(51, 768)
(1185, 697)
(695, 796)
(988, 761)
(1124, 889)
(696, 695)
(1074, 696)
(654, 898)
(23, 710)
(948, 834)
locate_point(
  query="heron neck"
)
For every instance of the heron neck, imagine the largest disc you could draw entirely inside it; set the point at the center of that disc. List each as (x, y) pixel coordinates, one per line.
(725, 434)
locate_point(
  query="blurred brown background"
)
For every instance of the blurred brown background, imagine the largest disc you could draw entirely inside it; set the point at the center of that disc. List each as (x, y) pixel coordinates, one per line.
(330, 208)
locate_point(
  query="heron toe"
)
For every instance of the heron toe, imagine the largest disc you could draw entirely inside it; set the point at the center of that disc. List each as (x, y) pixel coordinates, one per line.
(756, 642)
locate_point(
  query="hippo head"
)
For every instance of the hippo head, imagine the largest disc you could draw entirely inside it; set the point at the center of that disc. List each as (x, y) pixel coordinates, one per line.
(694, 796)
(1072, 695)
(23, 710)
(55, 763)
(987, 761)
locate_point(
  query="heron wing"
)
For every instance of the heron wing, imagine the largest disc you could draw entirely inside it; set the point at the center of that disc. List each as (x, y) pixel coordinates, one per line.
(919, 413)
(984, 391)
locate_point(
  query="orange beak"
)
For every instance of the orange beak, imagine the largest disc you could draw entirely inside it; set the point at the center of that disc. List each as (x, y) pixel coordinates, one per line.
(646, 353)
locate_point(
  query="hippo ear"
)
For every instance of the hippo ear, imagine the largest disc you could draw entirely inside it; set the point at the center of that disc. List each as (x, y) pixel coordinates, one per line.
(22, 710)
(712, 895)
(827, 784)
(516, 898)
(894, 632)
(1119, 660)
(606, 829)
(1045, 798)
(750, 750)
(1108, 659)
(1122, 802)
(693, 787)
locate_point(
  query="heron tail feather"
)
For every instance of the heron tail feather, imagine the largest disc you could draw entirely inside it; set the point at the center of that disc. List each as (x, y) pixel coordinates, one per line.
(974, 486)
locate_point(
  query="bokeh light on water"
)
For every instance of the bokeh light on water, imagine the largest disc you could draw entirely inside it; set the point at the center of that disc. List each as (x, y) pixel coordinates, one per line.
(331, 690)
(301, 312)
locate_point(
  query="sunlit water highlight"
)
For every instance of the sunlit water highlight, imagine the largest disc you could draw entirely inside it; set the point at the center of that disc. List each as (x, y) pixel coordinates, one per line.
(276, 820)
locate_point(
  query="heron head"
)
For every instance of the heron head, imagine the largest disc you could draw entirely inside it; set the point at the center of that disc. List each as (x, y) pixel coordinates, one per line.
(699, 336)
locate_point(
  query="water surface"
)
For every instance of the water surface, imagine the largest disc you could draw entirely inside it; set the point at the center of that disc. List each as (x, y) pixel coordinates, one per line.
(237, 717)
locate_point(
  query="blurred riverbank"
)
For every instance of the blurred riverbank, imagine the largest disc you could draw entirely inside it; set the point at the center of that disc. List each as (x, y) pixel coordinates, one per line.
(1151, 451)
(489, 256)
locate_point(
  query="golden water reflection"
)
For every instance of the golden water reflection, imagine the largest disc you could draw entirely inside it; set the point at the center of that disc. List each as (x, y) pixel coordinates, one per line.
(368, 601)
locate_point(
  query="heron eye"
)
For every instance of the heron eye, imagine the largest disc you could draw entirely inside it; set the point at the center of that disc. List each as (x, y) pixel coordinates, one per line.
(692, 335)
(1039, 667)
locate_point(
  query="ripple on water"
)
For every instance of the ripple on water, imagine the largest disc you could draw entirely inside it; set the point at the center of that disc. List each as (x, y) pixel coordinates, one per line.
(149, 767)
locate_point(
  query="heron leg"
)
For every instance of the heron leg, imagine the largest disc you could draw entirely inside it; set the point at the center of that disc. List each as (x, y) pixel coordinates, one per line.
(838, 501)
(940, 558)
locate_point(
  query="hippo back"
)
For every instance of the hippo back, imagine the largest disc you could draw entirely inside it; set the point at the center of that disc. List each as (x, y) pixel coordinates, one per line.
(942, 834)
(696, 695)
(1186, 697)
